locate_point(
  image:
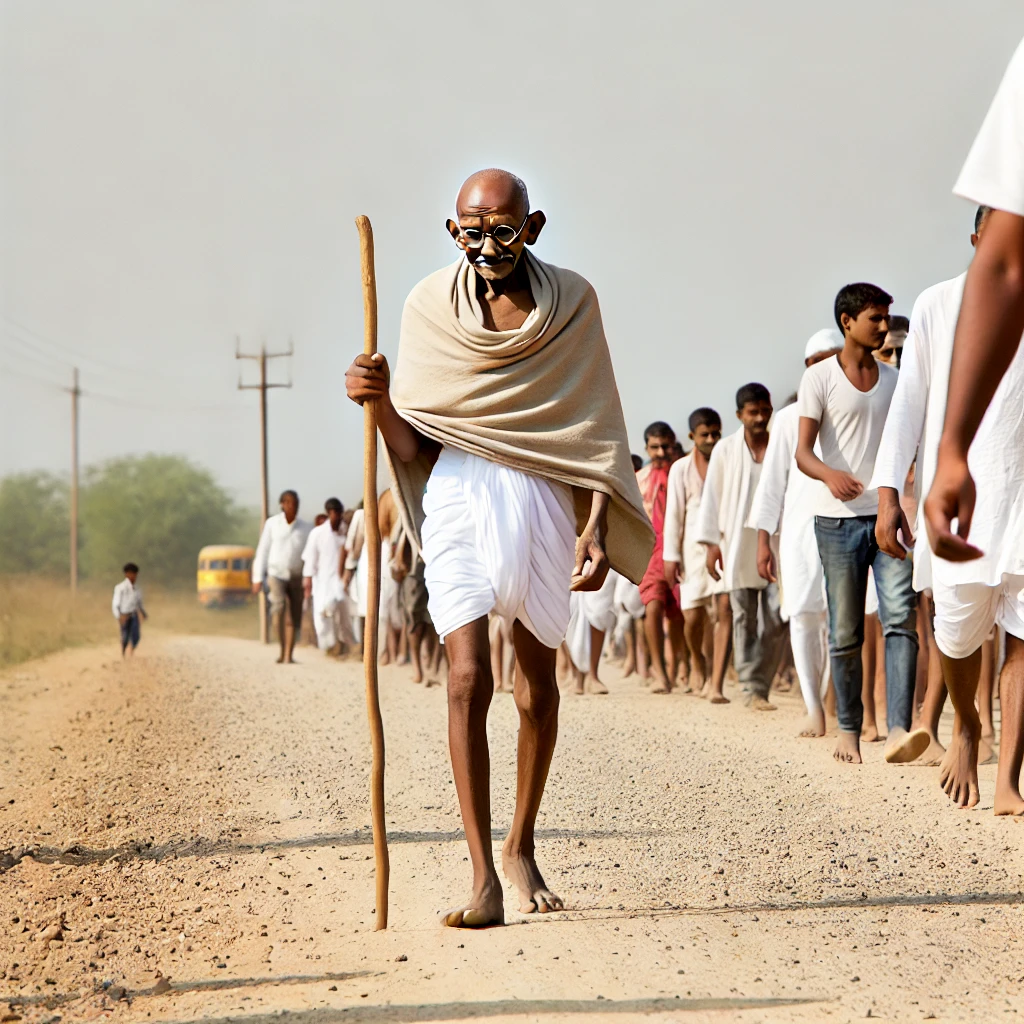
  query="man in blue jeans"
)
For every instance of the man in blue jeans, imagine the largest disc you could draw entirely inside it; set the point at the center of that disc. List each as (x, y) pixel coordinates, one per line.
(843, 403)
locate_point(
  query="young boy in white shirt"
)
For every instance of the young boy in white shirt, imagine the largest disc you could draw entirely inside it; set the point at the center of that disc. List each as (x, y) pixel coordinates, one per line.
(127, 607)
(843, 403)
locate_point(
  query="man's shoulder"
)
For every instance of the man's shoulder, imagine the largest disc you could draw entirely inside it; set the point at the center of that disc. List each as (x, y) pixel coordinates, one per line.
(432, 284)
(787, 415)
(938, 297)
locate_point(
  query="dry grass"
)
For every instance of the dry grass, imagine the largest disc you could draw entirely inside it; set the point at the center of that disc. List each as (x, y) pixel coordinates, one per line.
(38, 617)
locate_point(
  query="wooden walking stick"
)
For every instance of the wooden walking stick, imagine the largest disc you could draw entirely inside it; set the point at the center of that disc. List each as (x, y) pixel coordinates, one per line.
(372, 541)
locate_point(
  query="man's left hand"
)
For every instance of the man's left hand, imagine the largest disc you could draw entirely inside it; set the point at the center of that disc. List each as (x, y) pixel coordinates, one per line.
(591, 567)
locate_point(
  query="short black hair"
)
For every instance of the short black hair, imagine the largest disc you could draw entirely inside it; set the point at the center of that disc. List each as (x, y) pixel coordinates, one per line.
(659, 428)
(130, 567)
(752, 393)
(853, 299)
(983, 212)
(705, 416)
(333, 505)
(899, 323)
(638, 463)
(284, 494)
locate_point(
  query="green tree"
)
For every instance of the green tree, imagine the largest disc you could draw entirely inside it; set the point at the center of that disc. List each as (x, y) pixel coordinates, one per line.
(157, 510)
(34, 524)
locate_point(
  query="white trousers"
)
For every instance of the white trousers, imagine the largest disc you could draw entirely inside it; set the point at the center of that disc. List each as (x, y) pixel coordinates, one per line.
(496, 539)
(808, 634)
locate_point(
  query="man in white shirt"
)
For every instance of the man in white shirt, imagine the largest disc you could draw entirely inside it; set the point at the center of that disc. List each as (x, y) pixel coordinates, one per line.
(733, 474)
(987, 346)
(278, 559)
(321, 578)
(786, 498)
(127, 607)
(843, 403)
(973, 596)
(686, 560)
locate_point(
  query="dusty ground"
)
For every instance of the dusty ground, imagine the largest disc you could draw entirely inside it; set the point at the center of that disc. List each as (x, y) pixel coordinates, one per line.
(198, 819)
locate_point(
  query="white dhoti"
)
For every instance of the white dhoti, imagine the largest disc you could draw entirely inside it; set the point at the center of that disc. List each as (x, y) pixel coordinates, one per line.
(496, 539)
(592, 609)
(390, 603)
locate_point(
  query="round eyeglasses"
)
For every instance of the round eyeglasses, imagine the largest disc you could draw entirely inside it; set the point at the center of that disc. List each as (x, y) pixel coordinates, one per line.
(503, 234)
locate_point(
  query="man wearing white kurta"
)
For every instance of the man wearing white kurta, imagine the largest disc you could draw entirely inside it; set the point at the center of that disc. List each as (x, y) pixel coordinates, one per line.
(278, 559)
(733, 475)
(784, 504)
(685, 559)
(321, 575)
(970, 597)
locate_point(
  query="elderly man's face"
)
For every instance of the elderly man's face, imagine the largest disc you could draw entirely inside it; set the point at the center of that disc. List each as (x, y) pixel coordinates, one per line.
(494, 226)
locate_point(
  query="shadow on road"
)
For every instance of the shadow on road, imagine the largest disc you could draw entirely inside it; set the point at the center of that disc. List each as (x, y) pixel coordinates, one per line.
(501, 1008)
(78, 854)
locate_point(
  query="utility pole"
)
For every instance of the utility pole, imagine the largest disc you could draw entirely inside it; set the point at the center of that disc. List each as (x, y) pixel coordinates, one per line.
(76, 392)
(263, 387)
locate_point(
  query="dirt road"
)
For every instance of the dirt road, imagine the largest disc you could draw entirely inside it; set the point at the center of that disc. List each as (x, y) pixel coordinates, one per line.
(189, 831)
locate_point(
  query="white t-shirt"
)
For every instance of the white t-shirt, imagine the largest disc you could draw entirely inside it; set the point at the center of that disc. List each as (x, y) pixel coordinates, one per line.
(994, 172)
(850, 429)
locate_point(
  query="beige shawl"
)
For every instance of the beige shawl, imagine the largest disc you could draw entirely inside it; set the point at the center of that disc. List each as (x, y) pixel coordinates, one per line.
(541, 399)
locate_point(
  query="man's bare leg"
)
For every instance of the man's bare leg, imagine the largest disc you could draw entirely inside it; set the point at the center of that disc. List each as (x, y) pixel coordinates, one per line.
(1011, 742)
(986, 686)
(277, 618)
(678, 653)
(931, 711)
(642, 654)
(594, 684)
(497, 651)
(868, 652)
(723, 649)
(654, 630)
(629, 666)
(958, 775)
(694, 623)
(416, 652)
(536, 696)
(469, 696)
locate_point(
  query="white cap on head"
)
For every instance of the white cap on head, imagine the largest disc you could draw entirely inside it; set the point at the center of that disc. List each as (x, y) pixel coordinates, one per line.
(823, 341)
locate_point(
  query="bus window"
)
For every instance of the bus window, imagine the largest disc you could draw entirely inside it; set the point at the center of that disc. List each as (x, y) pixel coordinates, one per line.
(238, 564)
(218, 563)
(203, 564)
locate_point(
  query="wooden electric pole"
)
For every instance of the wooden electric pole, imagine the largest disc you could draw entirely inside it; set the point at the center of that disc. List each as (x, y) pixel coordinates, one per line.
(263, 387)
(76, 392)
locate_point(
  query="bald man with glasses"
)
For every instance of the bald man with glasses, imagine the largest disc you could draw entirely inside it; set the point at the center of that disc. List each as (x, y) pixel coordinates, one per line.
(509, 455)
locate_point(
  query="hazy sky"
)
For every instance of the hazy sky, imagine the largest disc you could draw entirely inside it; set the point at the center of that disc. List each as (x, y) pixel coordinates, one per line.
(175, 173)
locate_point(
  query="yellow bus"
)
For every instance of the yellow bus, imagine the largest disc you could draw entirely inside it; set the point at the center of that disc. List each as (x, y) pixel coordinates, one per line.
(224, 577)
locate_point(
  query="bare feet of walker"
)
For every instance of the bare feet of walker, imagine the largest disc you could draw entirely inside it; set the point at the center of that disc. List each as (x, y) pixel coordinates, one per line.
(933, 753)
(486, 907)
(958, 773)
(903, 746)
(522, 871)
(848, 748)
(717, 697)
(869, 732)
(813, 725)
(594, 685)
(1008, 800)
(758, 703)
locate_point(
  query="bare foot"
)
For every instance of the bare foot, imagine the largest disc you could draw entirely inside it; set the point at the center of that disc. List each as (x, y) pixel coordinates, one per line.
(934, 752)
(1008, 801)
(417, 676)
(869, 732)
(757, 703)
(986, 752)
(484, 908)
(783, 685)
(662, 689)
(717, 698)
(958, 774)
(523, 873)
(594, 685)
(280, 660)
(578, 688)
(813, 725)
(903, 746)
(848, 748)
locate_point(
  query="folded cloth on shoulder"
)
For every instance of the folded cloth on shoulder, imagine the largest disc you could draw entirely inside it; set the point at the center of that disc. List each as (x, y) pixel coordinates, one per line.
(541, 399)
